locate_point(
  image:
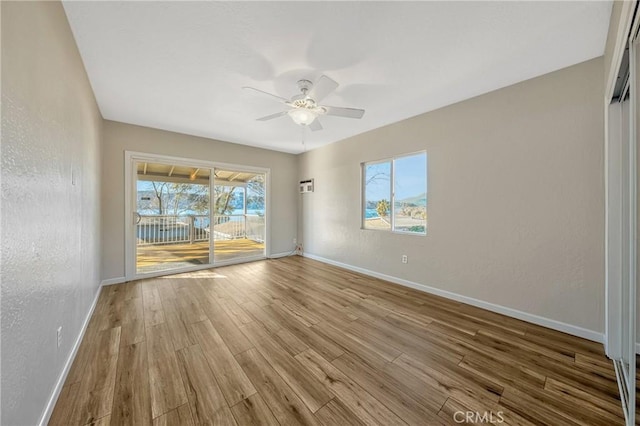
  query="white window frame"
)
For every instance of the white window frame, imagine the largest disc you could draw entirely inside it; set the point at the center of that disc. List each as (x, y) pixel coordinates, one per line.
(392, 192)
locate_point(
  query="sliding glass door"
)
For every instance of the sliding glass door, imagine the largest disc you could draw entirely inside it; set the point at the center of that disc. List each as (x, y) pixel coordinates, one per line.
(186, 214)
(239, 220)
(172, 217)
(622, 229)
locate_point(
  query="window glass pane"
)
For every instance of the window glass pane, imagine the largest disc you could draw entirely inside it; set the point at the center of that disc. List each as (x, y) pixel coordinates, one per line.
(255, 195)
(377, 201)
(410, 193)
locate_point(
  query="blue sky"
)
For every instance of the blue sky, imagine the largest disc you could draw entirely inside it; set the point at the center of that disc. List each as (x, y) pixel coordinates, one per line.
(410, 178)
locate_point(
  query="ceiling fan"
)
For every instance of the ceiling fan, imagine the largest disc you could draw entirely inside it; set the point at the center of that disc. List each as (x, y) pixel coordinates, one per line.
(305, 109)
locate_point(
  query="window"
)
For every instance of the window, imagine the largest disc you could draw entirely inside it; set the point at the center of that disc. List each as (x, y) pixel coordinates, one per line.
(395, 194)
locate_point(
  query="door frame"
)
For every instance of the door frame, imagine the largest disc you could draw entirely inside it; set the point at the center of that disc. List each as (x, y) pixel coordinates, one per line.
(613, 187)
(620, 188)
(131, 158)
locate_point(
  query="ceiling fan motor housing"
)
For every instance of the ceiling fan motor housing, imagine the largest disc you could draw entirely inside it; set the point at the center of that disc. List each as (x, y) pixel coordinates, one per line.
(305, 86)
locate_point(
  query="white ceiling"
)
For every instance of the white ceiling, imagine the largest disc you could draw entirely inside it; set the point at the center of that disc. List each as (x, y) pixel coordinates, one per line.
(180, 66)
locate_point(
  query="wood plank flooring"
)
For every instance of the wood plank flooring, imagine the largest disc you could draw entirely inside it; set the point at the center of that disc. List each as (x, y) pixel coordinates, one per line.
(161, 257)
(295, 341)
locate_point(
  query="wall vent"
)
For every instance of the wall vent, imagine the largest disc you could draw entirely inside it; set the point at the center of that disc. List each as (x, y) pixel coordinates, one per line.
(306, 186)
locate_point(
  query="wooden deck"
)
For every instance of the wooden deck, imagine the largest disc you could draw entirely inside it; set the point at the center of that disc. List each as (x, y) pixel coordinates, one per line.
(294, 341)
(171, 256)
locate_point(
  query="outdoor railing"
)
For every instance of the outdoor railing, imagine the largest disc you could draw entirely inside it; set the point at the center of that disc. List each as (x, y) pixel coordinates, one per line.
(177, 229)
(254, 227)
(228, 227)
(233, 226)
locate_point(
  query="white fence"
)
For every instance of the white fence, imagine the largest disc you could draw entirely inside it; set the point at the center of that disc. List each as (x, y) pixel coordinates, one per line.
(254, 227)
(177, 229)
(234, 226)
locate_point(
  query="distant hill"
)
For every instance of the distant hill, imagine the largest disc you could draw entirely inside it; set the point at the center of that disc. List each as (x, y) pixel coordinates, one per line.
(418, 200)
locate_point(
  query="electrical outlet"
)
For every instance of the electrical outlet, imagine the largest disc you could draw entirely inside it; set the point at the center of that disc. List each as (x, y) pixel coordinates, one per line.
(59, 336)
(295, 241)
(405, 259)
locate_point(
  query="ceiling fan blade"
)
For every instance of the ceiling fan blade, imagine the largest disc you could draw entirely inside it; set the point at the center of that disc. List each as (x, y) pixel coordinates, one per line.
(262, 92)
(315, 125)
(321, 88)
(272, 116)
(344, 112)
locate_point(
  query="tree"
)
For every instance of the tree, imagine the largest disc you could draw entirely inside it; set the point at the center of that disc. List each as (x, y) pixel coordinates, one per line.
(256, 192)
(377, 177)
(176, 198)
(189, 197)
(383, 208)
(167, 198)
(159, 189)
(223, 199)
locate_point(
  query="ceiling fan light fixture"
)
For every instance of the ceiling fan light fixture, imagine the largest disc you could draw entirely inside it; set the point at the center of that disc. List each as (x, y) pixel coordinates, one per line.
(305, 109)
(302, 116)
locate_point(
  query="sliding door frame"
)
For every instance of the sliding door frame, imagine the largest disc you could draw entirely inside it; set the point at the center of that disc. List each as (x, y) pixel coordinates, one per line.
(621, 209)
(133, 157)
(613, 187)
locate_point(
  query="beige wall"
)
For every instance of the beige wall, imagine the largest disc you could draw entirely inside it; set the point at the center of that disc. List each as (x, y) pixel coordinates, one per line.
(516, 198)
(50, 220)
(120, 137)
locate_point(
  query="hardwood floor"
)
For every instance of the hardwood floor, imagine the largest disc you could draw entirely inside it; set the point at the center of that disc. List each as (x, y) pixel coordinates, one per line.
(295, 341)
(163, 257)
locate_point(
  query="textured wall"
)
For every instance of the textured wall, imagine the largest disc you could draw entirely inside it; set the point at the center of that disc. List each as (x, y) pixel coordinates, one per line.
(516, 198)
(50, 228)
(120, 137)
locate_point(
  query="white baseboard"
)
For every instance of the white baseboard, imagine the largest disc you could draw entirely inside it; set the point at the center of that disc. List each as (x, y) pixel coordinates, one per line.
(283, 254)
(524, 316)
(46, 415)
(110, 281)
